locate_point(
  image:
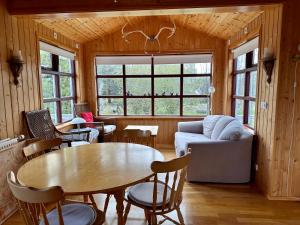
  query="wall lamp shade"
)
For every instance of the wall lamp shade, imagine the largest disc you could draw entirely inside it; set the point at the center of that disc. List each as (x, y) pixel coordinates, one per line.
(268, 63)
(16, 66)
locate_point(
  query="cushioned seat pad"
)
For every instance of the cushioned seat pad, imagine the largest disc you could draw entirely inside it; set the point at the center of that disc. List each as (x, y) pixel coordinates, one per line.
(143, 194)
(73, 214)
(109, 128)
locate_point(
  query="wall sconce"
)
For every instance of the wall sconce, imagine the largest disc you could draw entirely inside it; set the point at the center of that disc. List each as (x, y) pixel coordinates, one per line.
(16, 65)
(268, 62)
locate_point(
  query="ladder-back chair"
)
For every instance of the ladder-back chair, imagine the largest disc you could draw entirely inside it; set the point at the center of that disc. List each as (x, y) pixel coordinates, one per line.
(41, 147)
(33, 204)
(135, 136)
(157, 197)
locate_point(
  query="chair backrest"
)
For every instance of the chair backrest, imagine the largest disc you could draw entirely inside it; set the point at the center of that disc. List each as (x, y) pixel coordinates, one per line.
(31, 201)
(175, 173)
(135, 136)
(81, 107)
(40, 147)
(39, 124)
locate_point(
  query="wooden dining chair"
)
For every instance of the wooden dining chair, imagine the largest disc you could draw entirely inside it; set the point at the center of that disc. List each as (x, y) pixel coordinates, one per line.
(157, 197)
(33, 204)
(41, 147)
(135, 136)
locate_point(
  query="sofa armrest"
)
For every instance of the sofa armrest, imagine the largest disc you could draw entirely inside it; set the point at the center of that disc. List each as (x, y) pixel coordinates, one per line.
(191, 127)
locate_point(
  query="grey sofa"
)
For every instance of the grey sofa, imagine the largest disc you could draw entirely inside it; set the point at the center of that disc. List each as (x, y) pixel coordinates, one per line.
(221, 149)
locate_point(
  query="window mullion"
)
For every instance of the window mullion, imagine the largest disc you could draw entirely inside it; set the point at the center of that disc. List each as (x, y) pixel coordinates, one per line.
(124, 91)
(181, 90)
(152, 86)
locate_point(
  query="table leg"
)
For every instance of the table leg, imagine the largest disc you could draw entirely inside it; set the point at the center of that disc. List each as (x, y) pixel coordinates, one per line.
(119, 196)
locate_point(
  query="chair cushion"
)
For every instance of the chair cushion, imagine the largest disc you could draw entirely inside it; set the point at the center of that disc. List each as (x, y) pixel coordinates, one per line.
(109, 128)
(232, 132)
(73, 214)
(220, 125)
(143, 193)
(94, 133)
(88, 116)
(182, 139)
(209, 123)
(78, 143)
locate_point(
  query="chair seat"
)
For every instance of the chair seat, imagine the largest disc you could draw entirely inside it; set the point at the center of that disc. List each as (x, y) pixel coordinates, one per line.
(109, 129)
(94, 133)
(78, 143)
(73, 214)
(142, 194)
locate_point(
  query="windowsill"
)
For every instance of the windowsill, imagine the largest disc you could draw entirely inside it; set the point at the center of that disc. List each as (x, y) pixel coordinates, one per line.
(153, 117)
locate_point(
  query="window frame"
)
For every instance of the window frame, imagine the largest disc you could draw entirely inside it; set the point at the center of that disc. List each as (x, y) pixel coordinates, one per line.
(250, 67)
(58, 99)
(152, 76)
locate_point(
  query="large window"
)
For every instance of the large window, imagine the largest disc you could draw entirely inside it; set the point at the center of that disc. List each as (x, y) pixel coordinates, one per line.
(58, 87)
(244, 85)
(158, 85)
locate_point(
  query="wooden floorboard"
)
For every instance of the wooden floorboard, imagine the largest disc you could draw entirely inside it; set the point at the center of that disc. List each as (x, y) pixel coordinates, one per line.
(215, 204)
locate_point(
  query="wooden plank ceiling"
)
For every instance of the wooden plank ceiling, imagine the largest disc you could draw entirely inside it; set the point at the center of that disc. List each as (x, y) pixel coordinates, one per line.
(85, 29)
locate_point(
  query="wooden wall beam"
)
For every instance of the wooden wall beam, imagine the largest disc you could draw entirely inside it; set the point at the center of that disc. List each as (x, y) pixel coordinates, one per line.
(21, 7)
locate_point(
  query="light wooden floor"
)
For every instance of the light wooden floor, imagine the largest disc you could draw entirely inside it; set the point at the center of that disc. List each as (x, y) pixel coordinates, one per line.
(208, 204)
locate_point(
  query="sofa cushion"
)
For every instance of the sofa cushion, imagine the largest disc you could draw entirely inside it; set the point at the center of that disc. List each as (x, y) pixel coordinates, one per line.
(209, 123)
(220, 125)
(109, 128)
(232, 132)
(182, 139)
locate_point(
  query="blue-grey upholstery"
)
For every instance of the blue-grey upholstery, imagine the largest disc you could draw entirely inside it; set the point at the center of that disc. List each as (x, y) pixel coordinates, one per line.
(143, 194)
(221, 150)
(73, 214)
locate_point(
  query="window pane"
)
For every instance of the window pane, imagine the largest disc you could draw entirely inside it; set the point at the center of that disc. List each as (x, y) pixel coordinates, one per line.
(111, 106)
(255, 56)
(240, 84)
(197, 68)
(196, 85)
(66, 86)
(138, 106)
(51, 106)
(139, 69)
(239, 110)
(46, 59)
(161, 69)
(241, 62)
(167, 86)
(252, 91)
(167, 106)
(109, 69)
(67, 110)
(138, 86)
(251, 116)
(195, 106)
(65, 65)
(110, 86)
(48, 86)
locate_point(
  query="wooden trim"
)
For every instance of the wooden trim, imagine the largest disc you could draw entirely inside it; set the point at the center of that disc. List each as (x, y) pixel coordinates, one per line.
(19, 7)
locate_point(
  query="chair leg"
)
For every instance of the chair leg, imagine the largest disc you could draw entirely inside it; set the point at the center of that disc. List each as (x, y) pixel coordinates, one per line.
(180, 217)
(127, 209)
(147, 216)
(153, 219)
(106, 203)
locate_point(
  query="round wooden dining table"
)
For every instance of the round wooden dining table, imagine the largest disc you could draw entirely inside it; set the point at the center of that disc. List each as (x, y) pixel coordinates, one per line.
(89, 169)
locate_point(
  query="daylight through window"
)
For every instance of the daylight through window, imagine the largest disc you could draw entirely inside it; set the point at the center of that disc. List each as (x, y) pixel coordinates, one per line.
(58, 87)
(158, 85)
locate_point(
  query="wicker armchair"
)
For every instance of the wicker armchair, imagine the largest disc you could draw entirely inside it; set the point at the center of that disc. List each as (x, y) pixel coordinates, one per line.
(40, 125)
(108, 125)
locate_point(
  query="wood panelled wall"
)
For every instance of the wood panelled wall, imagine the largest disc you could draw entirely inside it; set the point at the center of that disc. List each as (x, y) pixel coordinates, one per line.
(279, 140)
(184, 41)
(23, 34)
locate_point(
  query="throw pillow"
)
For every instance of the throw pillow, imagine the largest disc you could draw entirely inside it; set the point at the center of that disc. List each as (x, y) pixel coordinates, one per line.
(220, 126)
(209, 123)
(232, 132)
(88, 116)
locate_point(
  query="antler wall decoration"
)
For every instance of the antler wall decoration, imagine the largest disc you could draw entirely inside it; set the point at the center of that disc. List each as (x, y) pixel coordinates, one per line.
(151, 38)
